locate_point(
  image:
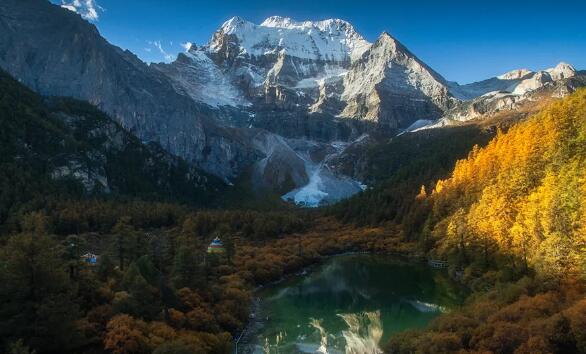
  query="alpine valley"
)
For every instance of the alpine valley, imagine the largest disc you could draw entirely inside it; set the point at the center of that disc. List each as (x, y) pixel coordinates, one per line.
(116, 175)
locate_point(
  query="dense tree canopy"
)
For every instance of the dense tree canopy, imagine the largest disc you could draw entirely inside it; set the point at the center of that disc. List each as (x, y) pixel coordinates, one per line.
(520, 201)
(511, 218)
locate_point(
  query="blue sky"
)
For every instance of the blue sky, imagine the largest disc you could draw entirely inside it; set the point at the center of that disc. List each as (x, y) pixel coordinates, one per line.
(464, 41)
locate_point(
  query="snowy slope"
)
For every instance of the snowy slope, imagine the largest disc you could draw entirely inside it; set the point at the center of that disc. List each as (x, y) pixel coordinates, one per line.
(517, 82)
(197, 76)
(477, 89)
(324, 186)
(328, 40)
(524, 86)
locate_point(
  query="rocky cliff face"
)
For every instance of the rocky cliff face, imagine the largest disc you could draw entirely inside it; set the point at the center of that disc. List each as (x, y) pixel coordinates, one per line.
(390, 86)
(50, 143)
(55, 52)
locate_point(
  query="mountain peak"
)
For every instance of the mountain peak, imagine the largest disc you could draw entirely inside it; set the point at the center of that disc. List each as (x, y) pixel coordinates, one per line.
(234, 20)
(386, 36)
(322, 25)
(386, 39)
(564, 65)
(515, 74)
(233, 24)
(277, 21)
(331, 40)
(562, 71)
(390, 43)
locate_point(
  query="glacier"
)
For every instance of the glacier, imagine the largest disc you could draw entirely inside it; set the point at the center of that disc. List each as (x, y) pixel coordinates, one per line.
(324, 186)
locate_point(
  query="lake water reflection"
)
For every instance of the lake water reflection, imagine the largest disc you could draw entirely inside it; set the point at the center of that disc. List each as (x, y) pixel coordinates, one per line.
(351, 304)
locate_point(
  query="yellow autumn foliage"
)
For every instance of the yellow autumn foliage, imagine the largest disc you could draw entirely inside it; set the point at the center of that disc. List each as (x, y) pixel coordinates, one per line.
(523, 196)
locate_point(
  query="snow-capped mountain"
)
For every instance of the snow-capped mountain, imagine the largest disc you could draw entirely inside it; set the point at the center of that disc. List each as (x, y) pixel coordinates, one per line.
(281, 98)
(309, 67)
(536, 80)
(516, 82)
(509, 90)
(329, 40)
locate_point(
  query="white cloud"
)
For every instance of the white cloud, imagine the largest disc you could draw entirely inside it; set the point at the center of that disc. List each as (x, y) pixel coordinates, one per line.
(166, 56)
(88, 9)
(186, 45)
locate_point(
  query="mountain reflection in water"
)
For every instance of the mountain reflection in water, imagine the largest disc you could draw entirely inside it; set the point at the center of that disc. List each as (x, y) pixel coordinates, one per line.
(350, 304)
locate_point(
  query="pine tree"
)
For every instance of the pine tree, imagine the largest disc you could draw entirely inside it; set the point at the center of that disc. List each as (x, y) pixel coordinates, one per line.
(125, 241)
(186, 267)
(36, 298)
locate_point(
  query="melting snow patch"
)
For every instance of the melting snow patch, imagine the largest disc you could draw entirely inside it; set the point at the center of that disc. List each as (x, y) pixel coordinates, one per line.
(323, 188)
(419, 124)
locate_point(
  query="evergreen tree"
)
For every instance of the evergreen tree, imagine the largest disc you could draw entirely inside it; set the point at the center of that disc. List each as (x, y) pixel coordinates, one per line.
(74, 246)
(36, 299)
(186, 267)
(125, 241)
(144, 300)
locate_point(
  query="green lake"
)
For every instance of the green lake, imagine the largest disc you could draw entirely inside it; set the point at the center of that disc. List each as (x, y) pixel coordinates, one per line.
(350, 304)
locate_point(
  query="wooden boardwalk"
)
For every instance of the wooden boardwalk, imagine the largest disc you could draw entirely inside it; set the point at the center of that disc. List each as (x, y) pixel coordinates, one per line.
(437, 264)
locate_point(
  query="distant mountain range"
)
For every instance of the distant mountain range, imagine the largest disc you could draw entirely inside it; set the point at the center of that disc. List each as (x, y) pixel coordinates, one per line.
(276, 101)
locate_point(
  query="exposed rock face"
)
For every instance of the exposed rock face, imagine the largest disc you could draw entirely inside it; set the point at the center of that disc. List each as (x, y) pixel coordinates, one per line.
(55, 52)
(517, 82)
(389, 85)
(52, 142)
(281, 168)
(104, 146)
(197, 76)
